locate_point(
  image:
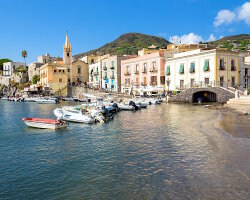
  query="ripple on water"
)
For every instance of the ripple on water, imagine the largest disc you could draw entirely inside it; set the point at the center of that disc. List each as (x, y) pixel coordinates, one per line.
(164, 152)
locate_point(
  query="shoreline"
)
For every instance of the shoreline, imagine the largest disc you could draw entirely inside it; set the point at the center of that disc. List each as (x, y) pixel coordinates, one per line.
(233, 121)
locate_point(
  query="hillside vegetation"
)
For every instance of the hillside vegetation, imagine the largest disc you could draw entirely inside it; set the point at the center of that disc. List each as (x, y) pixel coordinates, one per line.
(128, 44)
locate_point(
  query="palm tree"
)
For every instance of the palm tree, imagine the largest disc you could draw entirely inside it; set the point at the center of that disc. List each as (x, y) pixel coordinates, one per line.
(24, 55)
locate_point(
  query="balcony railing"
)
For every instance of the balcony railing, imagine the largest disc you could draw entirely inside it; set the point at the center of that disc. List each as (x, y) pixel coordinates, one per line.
(136, 72)
(153, 83)
(153, 70)
(127, 74)
(233, 68)
(96, 73)
(112, 67)
(144, 72)
(222, 67)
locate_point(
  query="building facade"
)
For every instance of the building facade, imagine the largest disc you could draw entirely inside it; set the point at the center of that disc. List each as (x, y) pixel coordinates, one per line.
(111, 72)
(57, 75)
(198, 68)
(10, 67)
(143, 75)
(34, 69)
(95, 75)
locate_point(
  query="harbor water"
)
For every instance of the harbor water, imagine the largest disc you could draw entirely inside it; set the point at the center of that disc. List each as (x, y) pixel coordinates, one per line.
(168, 151)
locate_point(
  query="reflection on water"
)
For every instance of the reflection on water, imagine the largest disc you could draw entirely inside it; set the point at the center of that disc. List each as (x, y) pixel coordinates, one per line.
(171, 151)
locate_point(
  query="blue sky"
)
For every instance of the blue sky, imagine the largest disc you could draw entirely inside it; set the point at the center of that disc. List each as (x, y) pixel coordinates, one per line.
(39, 26)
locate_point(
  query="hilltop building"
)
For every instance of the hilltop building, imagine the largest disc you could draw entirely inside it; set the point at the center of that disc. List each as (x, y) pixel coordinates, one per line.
(57, 75)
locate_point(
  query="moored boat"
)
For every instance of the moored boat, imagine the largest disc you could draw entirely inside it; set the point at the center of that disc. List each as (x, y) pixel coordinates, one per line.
(44, 123)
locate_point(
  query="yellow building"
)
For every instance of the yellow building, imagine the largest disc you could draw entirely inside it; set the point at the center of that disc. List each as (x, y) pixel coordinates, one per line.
(55, 76)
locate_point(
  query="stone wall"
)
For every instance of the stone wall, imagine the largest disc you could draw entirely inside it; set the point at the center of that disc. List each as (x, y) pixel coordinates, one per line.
(222, 94)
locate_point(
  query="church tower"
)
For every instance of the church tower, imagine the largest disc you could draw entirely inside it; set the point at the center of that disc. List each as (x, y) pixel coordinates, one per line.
(67, 52)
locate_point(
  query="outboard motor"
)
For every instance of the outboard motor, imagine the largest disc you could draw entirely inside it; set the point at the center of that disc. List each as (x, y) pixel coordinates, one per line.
(131, 103)
(116, 107)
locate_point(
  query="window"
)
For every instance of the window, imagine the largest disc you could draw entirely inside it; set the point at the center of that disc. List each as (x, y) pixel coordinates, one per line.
(63, 71)
(79, 70)
(181, 70)
(96, 78)
(68, 80)
(206, 65)
(92, 61)
(127, 69)
(154, 65)
(192, 67)
(54, 70)
(162, 80)
(145, 80)
(137, 81)
(67, 54)
(145, 68)
(153, 80)
(113, 63)
(222, 66)
(127, 81)
(192, 82)
(68, 70)
(233, 81)
(113, 74)
(206, 81)
(181, 84)
(137, 68)
(233, 67)
(59, 71)
(168, 70)
(60, 80)
(221, 81)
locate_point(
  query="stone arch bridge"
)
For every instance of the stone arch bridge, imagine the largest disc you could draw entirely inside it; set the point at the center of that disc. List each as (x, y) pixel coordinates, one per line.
(207, 94)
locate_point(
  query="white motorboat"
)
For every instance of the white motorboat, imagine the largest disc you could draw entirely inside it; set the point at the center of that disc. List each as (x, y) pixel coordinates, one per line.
(73, 115)
(141, 102)
(126, 106)
(44, 123)
(4, 98)
(46, 100)
(155, 101)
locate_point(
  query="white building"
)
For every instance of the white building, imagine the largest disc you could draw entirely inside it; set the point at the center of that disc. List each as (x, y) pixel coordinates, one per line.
(199, 68)
(245, 72)
(9, 67)
(95, 75)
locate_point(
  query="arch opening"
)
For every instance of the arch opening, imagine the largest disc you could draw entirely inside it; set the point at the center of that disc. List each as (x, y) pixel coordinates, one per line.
(204, 97)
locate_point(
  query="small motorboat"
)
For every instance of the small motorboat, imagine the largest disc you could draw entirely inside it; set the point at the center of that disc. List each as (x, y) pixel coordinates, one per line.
(73, 115)
(47, 100)
(44, 123)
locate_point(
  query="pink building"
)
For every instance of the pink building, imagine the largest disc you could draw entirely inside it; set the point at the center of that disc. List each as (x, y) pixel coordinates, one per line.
(144, 74)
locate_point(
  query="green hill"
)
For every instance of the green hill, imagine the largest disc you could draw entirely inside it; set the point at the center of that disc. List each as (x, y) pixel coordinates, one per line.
(128, 44)
(236, 42)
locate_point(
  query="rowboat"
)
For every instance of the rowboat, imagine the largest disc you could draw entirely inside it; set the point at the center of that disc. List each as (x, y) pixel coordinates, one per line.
(44, 123)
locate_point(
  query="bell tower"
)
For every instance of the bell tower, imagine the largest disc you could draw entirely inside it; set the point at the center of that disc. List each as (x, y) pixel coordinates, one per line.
(67, 52)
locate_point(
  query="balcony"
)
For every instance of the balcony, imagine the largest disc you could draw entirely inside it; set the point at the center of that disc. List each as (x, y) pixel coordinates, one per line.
(153, 70)
(105, 68)
(112, 77)
(96, 73)
(222, 67)
(144, 72)
(127, 73)
(233, 68)
(136, 72)
(112, 67)
(153, 83)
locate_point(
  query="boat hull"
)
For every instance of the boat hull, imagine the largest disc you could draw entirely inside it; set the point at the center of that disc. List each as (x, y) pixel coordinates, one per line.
(42, 124)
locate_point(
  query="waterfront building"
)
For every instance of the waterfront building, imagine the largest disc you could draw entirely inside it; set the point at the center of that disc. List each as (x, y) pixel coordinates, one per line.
(245, 72)
(34, 69)
(198, 68)
(55, 76)
(90, 59)
(111, 72)
(144, 74)
(95, 75)
(10, 67)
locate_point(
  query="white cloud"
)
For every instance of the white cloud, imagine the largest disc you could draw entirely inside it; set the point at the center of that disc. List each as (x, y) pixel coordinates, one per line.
(211, 38)
(224, 17)
(244, 13)
(186, 39)
(221, 36)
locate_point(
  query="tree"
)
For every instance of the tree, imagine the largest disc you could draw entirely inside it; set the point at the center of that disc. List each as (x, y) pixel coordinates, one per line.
(24, 55)
(35, 79)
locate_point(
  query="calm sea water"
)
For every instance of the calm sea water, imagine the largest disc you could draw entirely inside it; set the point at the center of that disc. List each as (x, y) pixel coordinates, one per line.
(171, 151)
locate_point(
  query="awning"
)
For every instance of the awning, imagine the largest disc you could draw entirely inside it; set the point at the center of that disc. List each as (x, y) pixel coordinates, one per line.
(206, 65)
(191, 69)
(181, 71)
